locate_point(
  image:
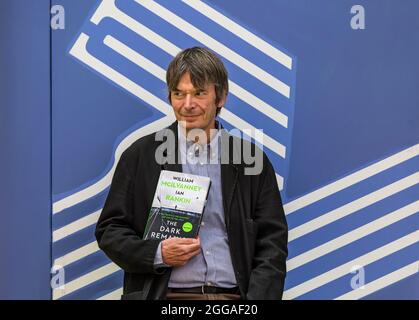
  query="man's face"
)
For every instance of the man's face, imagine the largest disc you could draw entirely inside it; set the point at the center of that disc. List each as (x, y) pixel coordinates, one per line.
(195, 107)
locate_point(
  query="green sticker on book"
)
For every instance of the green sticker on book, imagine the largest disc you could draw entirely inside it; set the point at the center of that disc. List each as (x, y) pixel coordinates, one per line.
(187, 227)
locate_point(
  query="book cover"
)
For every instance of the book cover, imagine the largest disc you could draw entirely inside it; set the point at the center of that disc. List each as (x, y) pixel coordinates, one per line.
(178, 206)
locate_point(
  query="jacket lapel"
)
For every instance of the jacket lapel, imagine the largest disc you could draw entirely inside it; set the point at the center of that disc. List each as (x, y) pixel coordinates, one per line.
(177, 166)
(229, 175)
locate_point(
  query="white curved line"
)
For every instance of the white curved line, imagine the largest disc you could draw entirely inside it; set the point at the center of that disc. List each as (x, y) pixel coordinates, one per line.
(241, 32)
(217, 46)
(77, 254)
(79, 50)
(85, 280)
(344, 269)
(160, 73)
(382, 282)
(280, 181)
(113, 295)
(353, 235)
(105, 181)
(75, 226)
(108, 9)
(257, 134)
(353, 206)
(352, 179)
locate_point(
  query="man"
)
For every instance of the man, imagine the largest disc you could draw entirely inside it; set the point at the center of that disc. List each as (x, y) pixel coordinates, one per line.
(242, 245)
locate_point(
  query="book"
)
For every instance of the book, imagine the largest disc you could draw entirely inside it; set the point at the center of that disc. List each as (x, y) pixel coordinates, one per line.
(178, 206)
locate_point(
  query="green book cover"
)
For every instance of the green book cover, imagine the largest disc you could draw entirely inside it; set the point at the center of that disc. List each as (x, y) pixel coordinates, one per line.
(178, 206)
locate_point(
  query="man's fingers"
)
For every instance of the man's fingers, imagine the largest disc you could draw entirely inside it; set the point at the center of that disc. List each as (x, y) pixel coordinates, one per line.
(191, 247)
(184, 241)
(193, 253)
(196, 252)
(178, 250)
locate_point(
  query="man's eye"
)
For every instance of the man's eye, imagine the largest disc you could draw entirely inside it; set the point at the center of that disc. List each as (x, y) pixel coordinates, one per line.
(177, 94)
(200, 93)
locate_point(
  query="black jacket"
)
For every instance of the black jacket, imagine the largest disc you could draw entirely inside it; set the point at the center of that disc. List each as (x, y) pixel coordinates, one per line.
(255, 223)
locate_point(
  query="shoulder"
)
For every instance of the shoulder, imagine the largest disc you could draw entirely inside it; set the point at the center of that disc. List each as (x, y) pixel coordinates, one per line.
(144, 146)
(244, 154)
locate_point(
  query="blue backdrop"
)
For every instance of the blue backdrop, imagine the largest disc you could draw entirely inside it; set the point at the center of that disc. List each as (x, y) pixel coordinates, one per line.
(338, 107)
(25, 157)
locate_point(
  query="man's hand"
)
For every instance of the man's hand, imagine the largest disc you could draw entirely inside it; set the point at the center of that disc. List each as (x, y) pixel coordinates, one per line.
(177, 251)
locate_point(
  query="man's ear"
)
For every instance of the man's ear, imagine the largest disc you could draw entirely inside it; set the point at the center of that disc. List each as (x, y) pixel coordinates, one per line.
(222, 102)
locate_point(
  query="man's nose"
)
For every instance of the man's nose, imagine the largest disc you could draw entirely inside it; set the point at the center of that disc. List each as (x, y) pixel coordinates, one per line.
(189, 103)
